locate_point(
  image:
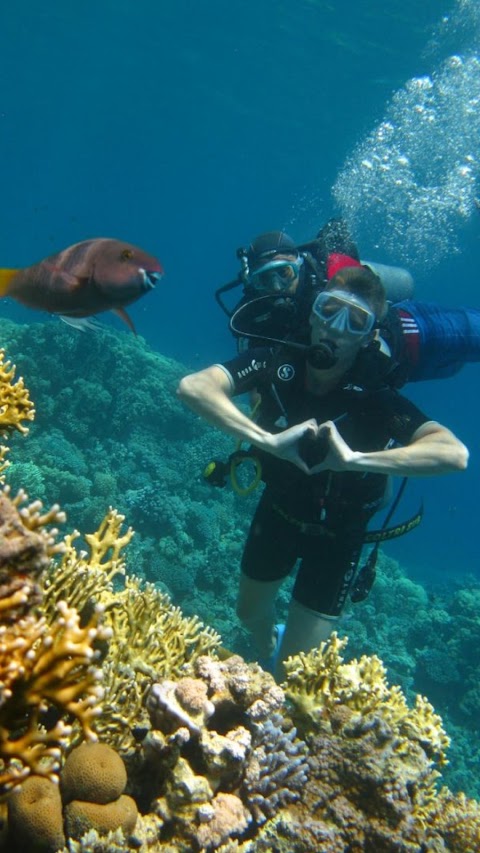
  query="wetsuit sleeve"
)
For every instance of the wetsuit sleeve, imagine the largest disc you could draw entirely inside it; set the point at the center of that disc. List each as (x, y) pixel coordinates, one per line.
(401, 417)
(249, 370)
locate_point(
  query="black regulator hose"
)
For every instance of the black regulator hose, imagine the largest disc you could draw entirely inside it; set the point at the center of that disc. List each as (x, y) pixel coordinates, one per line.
(321, 356)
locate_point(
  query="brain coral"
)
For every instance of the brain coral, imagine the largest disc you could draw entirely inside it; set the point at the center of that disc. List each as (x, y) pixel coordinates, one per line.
(93, 772)
(80, 817)
(35, 816)
(92, 783)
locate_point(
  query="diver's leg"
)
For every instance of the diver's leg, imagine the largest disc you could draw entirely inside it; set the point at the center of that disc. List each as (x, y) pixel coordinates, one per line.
(305, 629)
(323, 582)
(269, 555)
(256, 611)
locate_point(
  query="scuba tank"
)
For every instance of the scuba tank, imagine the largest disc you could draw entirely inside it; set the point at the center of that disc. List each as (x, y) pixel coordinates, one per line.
(397, 281)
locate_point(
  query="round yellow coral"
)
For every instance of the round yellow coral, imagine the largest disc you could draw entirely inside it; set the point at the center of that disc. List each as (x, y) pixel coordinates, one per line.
(93, 772)
(35, 816)
(80, 817)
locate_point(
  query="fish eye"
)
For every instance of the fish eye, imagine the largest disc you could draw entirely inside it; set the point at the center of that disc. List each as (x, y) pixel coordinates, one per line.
(126, 255)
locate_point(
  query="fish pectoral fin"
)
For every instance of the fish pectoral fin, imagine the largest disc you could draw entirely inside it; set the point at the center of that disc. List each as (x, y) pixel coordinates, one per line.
(120, 312)
(5, 279)
(69, 278)
(82, 324)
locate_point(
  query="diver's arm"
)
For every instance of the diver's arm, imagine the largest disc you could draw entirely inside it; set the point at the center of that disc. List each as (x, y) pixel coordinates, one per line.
(433, 449)
(209, 392)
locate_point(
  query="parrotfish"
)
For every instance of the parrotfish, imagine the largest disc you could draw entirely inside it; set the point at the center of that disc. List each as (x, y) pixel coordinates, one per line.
(84, 279)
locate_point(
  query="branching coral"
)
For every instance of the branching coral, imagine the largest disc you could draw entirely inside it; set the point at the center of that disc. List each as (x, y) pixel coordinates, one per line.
(320, 681)
(41, 665)
(151, 638)
(276, 768)
(369, 745)
(15, 403)
(15, 407)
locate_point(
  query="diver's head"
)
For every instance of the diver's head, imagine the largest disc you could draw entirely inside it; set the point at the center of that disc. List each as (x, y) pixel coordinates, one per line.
(344, 317)
(274, 264)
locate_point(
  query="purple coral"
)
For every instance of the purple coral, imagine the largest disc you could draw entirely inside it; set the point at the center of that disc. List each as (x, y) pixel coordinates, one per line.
(277, 769)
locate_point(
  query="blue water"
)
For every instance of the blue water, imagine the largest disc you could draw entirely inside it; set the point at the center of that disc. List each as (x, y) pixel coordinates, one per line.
(189, 127)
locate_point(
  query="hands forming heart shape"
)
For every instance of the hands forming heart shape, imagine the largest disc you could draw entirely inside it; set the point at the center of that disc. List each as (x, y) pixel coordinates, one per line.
(313, 447)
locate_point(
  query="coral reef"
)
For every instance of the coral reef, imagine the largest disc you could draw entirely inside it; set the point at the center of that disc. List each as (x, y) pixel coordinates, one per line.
(109, 431)
(92, 784)
(42, 665)
(93, 772)
(150, 637)
(428, 645)
(226, 720)
(197, 753)
(35, 816)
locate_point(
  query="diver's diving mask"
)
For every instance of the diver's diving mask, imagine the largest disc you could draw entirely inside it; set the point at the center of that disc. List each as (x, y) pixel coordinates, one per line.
(344, 312)
(275, 276)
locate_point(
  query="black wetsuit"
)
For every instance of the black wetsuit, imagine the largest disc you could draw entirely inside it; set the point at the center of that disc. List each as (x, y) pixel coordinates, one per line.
(321, 518)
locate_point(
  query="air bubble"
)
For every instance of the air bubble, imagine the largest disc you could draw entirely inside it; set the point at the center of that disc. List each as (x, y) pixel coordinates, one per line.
(411, 183)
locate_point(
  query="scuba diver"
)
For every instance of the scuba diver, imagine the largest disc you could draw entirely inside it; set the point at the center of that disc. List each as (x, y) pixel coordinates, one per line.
(415, 340)
(327, 445)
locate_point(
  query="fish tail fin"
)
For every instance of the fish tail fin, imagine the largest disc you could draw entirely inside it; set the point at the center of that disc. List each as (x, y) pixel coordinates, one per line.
(5, 279)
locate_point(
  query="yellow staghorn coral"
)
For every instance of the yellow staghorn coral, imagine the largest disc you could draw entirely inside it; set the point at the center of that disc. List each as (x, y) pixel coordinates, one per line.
(151, 637)
(457, 818)
(42, 665)
(4, 463)
(15, 408)
(15, 403)
(320, 681)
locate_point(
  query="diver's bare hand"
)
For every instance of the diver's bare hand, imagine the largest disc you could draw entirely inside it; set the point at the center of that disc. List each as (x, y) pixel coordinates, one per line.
(339, 455)
(285, 445)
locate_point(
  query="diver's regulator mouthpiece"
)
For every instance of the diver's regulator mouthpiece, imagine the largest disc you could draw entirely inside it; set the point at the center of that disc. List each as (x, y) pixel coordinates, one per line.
(322, 356)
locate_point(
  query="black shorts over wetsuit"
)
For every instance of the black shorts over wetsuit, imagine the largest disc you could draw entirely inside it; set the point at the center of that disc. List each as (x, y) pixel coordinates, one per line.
(320, 519)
